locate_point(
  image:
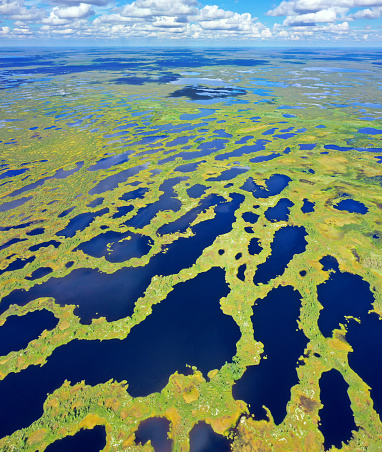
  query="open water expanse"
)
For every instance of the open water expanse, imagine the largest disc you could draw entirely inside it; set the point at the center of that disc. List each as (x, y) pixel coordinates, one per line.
(190, 249)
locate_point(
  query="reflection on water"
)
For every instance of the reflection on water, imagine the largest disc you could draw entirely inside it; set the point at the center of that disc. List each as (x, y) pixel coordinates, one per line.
(204, 439)
(155, 430)
(175, 334)
(94, 292)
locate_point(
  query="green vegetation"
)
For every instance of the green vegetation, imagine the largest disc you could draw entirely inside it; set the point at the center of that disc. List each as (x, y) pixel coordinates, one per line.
(187, 399)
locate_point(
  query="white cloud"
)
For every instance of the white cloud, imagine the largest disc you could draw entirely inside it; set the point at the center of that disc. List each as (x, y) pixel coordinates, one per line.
(16, 10)
(164, 18)
(237, 22)
(150, 8)
(54, 20)
(65, 31)
(185, 19)
(167, 22)
(78, 2)
(115, 18)
(9, 8)
(4, 31)
(213, 12)
(287, 8)
(373, 13)
(23, 30)
(328, 15)
(74, 12)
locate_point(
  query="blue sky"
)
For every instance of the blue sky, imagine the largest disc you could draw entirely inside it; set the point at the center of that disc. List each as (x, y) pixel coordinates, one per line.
(191, 22)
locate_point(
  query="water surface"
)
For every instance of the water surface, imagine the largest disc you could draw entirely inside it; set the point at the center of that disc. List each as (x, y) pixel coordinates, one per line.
(93, 440)
(156, 430)
(18, 331)
(351, 206)
(287, 242)
(204, 439)
(274, 322)
(337, 422)
(280, 212)
(175, 334)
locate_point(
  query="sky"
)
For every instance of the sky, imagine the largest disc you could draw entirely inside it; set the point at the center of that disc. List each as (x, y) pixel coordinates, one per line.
(227, 23)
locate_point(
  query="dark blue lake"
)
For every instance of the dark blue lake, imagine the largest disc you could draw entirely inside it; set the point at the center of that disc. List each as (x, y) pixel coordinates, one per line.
(287, 242)
(154, 429)
(117, 246)
(111, 182)
(241, 272)
(17, 264)
(254, 246)
(343, 294)
(39, 273)
(273, 186)
(182, 223)
(178, 332)
(108, 162)
(11, 242)
(274, 322)
(265, 158)
(204, 149)
(351, 206)
(337, 420)
(94, 292)
(366, 358)
(167, 201)
(80, 222)
(204, 439)
(250, 217)
(308, 206)
(228, 174)
(18, 331)
(196, 191)
(280, 212)
(93, 440)
(259, 145)
(188, 167)
(203, 112)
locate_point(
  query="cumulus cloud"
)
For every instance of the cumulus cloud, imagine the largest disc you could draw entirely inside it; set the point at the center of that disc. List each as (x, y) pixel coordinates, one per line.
(183, 19)
(213, 12)
(78, 2)
(328, 15)
(16, 10)
(288, 8)
(4, 31)
(151, 8)
(115, 18)
(234, 22)
(163, 17)
(168, 22)
(372, 13)
(74, 12)
(308, 13)
(53, 20)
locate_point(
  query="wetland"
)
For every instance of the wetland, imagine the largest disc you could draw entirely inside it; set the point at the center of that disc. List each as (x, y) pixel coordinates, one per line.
(190, 250)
